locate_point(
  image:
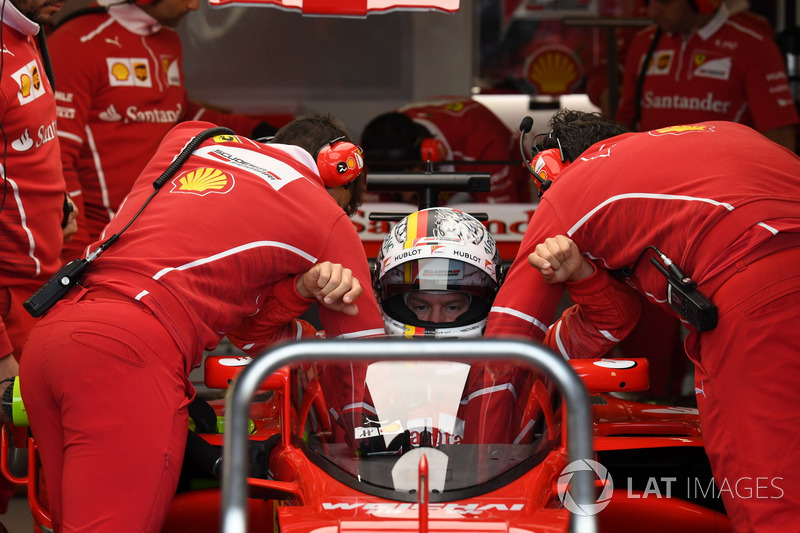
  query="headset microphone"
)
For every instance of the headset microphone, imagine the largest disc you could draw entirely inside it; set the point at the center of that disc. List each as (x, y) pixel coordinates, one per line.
(525, 127)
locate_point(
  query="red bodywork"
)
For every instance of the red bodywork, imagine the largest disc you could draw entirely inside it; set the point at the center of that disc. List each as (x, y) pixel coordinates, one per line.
(301, 497)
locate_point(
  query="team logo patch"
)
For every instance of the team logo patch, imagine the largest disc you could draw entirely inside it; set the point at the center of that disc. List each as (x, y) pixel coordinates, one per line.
(456, 107)
(172, 70)
(226, 139)
(202, 181)
(273, 171)
(129, 72)
(718, 69)
(30, 84)
(680, 130)
(660, 63)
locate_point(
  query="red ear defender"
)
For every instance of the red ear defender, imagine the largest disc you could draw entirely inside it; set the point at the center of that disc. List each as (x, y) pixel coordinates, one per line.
(432, 149)
(339, 162)
(546, 166)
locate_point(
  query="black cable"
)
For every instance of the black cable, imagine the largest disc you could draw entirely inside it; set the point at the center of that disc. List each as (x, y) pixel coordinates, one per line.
(159, 182)
(71, 273)
(41, 38)
(640, 81)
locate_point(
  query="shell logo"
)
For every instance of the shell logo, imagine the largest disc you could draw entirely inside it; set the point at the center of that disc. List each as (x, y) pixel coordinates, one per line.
(202, 181)
(680, 130)
(553, 70)
(120, 71)
(25, 85)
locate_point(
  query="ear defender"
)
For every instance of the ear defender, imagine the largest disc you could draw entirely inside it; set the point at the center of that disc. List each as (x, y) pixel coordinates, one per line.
(339, 162)
(432, 149)
(547, 165)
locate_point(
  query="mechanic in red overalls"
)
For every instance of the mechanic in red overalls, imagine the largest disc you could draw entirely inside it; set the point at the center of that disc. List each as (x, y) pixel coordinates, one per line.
(120, 90)
(709, 62)
(716, 202)
(32, 200)
(240, 239)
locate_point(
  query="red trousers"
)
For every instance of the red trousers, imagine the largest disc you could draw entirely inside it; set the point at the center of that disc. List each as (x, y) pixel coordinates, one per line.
(106, 392)
(747, 383)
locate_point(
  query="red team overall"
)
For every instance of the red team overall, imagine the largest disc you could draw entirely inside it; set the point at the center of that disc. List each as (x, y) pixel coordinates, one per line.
(723, 203)
(120, 90)
(218, 250)
(730, 69)
(33, 188)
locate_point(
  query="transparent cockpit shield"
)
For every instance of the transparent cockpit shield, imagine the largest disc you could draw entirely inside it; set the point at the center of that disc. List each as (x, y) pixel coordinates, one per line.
(478, 425)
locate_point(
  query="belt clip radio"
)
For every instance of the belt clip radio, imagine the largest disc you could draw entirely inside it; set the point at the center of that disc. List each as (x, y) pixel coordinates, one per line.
(684, 297)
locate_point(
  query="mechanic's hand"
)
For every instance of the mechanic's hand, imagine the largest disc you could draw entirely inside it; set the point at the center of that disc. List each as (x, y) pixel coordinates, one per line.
(70, 224)
(559, 259)
(333, 285)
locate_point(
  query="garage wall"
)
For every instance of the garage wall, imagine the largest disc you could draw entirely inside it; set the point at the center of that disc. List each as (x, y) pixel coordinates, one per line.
(258, 60)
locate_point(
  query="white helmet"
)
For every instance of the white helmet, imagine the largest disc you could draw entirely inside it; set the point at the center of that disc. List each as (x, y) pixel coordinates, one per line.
(437, 249)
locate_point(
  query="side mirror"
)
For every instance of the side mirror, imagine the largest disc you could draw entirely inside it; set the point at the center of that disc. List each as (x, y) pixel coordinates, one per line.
(613, 375)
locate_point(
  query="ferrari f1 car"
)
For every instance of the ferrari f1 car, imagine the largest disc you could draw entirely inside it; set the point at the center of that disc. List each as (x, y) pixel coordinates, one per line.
(579, 458)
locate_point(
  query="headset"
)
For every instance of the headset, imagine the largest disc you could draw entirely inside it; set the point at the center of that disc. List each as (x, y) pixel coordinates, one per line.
(545, 165)
(705, 7)
(425, 149)
(339, 162)
(432, 150)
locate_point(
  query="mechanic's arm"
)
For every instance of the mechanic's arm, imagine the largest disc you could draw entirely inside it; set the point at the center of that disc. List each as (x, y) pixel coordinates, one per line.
(331, 284)
(605, 310)
(79, 78)
(343, 246)
(559, 260)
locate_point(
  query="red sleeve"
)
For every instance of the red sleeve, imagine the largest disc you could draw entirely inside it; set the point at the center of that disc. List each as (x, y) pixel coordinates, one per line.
(526, 304)
(344, 247)
(5, 343)
(77, 76)
(275, 321)
(604, 313)
(767, 76)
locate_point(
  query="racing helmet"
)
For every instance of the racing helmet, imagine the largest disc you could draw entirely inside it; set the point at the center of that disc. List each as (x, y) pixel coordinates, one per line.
(439, 250)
